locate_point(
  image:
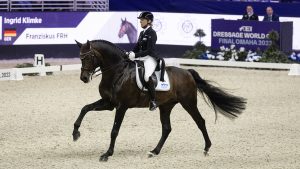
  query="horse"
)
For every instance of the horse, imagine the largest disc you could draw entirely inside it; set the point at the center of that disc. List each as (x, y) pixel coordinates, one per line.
(129, 29)
(118, 90)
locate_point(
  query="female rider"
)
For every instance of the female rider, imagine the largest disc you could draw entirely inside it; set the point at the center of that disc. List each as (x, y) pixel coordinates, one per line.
(145, 49)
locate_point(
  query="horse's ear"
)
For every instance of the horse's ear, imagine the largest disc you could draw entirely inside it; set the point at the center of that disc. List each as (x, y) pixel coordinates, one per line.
(125, 19)
(122, 20)
(78, 43)
(88, 44)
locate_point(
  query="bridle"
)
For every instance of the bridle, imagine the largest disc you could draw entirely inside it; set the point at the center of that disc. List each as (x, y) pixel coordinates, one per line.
(92, 53)
(83, 56)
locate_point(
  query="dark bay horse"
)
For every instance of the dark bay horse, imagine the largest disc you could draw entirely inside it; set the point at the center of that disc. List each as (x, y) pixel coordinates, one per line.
(128, 29)
(118, 90)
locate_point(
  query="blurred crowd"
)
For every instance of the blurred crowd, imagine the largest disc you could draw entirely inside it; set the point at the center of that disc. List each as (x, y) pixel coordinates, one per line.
(42, 5)
(81, 5)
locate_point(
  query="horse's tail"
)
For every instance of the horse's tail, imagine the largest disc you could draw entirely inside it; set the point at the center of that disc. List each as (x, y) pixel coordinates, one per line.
(227, 104)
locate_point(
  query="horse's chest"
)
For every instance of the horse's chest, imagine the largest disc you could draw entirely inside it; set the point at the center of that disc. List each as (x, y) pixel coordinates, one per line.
(110, 92)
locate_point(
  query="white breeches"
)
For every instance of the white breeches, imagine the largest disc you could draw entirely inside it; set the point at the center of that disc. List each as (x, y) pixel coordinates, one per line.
(150, 65)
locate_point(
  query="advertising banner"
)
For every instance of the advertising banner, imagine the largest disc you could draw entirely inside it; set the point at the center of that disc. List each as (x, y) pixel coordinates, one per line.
(248, 34)
(36, 28)
(0, 28)
(47, 28)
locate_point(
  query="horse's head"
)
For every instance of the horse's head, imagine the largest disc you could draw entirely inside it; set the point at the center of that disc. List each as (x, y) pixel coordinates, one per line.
(123, 28)
(88, 60)
(99, 53)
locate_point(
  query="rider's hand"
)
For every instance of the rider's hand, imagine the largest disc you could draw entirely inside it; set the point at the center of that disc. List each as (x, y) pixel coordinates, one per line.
(131, 55)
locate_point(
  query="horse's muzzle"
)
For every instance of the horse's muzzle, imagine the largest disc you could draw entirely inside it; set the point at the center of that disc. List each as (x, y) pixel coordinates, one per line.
(85, 77)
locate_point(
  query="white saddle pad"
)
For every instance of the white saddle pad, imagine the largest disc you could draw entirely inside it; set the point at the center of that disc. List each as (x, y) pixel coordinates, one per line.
(161, 86)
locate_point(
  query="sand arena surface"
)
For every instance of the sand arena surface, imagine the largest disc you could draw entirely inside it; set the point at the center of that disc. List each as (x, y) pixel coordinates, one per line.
(37, 116)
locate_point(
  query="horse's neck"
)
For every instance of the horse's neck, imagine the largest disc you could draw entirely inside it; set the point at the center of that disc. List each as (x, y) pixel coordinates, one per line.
(132, 34)
(108, 58)
(111, 76)
(111, 63)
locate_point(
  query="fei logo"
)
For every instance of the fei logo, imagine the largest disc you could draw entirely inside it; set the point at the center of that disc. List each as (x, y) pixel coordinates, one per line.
(246, 28)
(0, 27)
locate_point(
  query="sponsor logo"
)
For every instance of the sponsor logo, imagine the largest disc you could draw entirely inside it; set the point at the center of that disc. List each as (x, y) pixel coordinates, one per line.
(0, 27)
(245, 28)
(187, 26)
(157, 25)
(164, 85)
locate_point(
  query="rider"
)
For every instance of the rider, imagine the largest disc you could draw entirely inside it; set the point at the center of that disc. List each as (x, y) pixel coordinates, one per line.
(145, 49)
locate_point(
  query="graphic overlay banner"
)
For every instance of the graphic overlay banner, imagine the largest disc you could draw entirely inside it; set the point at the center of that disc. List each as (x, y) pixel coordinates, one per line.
(23, 27)
(0, 28)
(35, 28)
(249, 34)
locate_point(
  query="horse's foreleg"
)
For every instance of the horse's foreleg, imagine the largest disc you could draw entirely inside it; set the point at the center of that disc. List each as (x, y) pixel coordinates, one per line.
(97, 106)
(120, 112)
(165, 111)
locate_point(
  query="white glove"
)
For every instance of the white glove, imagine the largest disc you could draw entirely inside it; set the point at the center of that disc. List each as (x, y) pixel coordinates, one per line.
(131, 55)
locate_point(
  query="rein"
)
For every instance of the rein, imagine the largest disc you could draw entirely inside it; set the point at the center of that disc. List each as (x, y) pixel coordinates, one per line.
(93, 53)
(106, 70)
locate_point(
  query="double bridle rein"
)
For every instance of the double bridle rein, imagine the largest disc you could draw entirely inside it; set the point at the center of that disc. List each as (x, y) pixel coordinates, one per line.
(92, 53)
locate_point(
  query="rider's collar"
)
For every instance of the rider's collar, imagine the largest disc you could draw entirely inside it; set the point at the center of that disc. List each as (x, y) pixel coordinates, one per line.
(146, 28)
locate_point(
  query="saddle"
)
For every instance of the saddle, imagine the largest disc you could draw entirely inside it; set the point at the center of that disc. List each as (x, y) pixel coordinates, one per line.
(160, 76)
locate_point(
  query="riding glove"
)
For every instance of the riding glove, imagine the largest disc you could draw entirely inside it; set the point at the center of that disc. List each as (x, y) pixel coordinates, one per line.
(131, 55)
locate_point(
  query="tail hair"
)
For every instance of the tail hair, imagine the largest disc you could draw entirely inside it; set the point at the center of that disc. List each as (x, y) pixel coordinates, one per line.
(225, 103)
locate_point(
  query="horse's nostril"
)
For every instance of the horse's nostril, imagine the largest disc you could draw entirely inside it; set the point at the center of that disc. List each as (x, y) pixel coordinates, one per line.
(84, 79)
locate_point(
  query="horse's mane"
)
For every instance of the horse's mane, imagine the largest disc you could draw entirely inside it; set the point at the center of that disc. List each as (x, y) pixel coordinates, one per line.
(131, 25)
(112, 45)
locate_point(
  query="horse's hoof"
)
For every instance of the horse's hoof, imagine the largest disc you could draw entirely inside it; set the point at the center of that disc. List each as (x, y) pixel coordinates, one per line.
(151, 154)
(205, 153)
(76, 135)
(103, 158)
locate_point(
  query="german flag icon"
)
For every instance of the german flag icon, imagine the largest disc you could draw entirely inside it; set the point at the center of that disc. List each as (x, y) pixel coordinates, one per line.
(10, 33)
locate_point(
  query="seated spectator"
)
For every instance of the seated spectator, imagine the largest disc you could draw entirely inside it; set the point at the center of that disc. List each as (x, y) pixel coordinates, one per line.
(250, 15)
(270, 16)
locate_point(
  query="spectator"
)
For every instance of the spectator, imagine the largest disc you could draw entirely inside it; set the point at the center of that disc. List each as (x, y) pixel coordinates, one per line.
(250, 15)
(270, 16)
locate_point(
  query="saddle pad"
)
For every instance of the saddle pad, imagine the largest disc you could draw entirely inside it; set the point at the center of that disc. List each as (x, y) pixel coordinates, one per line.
(161, 86)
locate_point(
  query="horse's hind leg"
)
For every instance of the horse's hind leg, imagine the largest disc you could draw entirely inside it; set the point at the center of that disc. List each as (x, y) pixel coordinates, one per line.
(165, 111)
(97, 106)
(191, 108)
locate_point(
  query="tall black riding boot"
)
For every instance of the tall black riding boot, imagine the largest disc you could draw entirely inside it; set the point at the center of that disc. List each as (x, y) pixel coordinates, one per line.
(151, 90)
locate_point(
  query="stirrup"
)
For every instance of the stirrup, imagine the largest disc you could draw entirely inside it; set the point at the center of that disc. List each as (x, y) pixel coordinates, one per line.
(152, 105)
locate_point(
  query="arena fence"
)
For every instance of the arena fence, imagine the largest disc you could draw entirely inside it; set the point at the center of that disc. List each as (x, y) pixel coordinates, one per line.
(54, 5)
(17, 73)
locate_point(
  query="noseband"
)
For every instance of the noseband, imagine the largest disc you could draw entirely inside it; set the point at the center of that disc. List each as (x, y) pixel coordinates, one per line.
(92, 54)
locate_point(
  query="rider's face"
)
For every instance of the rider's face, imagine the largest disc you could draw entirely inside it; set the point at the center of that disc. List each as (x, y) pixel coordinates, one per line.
(143, 22)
